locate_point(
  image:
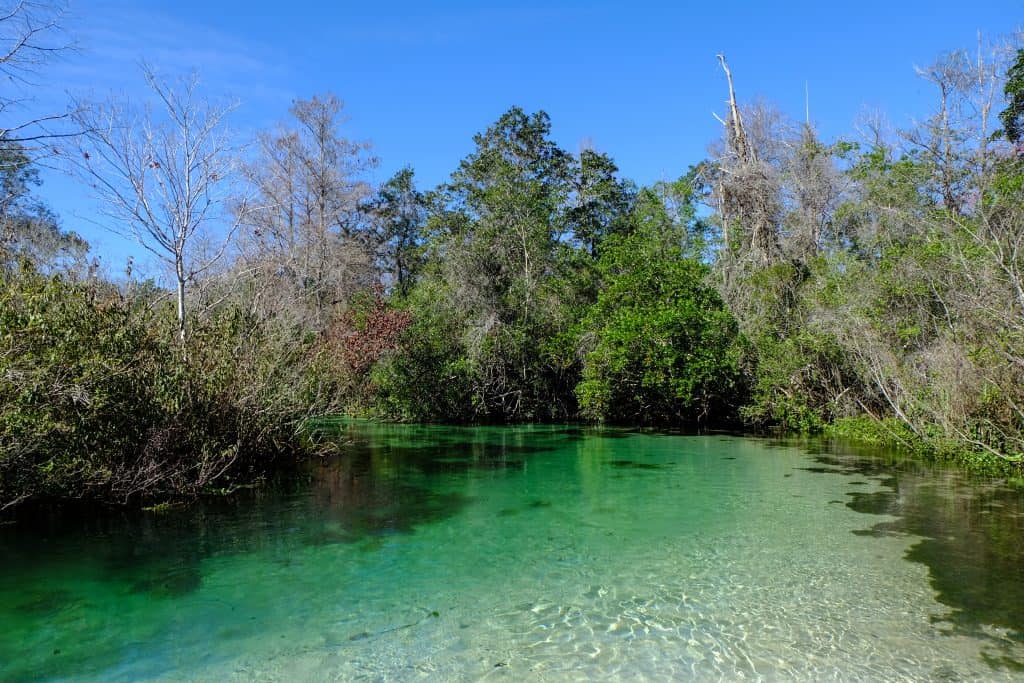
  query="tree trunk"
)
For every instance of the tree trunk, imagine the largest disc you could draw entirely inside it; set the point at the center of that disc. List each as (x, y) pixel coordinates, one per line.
(180, 272)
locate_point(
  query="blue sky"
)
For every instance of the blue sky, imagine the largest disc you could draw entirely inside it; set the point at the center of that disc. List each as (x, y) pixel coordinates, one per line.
(638, 80)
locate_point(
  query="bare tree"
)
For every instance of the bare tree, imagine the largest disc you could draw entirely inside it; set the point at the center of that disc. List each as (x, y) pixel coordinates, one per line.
(31, 34)
(746, 185)
(956, 140)
(813, 187)
(162, 174)
(305, 237)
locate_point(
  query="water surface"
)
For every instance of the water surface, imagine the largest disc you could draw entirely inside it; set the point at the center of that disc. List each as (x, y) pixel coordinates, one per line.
(537, 553)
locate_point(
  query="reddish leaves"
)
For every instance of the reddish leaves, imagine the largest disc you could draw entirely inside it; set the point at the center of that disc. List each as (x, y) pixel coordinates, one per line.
(363, 335)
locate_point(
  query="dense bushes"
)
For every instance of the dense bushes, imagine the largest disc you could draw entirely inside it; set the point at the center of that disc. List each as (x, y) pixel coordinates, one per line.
(430, 377)
(97, 402)
(663, 349)
(76, 389)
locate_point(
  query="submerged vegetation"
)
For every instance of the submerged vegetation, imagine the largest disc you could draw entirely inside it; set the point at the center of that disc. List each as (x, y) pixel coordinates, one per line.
(872, 287)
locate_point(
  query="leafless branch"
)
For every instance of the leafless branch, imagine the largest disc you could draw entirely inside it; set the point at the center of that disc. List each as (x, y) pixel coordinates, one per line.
(163, 175)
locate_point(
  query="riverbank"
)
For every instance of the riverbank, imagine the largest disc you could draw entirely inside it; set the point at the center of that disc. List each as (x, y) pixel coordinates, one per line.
(896, 435)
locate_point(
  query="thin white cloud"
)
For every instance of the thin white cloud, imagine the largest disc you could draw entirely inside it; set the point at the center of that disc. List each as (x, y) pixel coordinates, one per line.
(114, 36)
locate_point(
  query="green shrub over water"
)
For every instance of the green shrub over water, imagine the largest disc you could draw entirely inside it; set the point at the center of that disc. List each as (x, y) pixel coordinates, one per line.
(97, 400)
(663, 348)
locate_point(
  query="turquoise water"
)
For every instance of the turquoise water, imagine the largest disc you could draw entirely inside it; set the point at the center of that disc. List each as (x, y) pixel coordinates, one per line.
(535, 553)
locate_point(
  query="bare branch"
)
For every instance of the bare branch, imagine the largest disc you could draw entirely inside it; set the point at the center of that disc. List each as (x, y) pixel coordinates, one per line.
(31, 35)
(162, 175)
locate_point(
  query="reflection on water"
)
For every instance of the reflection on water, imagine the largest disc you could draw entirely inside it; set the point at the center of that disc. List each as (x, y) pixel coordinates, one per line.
(971, 539)
(534, 552)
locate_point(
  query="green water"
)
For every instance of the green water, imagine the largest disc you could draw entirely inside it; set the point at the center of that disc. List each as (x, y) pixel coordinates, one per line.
(540, 553)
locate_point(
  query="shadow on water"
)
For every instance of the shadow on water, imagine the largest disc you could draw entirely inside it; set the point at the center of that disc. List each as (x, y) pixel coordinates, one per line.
(633, 465)
(971, 538)
(386, 481)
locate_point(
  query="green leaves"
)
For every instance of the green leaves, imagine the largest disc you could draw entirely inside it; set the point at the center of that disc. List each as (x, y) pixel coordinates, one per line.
(503, 279)
(97, 403)
(664, 348)
(1012, 117)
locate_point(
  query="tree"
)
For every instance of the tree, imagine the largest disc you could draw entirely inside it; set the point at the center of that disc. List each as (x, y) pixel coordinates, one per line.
(942, 140)
(813, 187)
(498, 285)
(600, 201)
(666, 212)
(28, 229)
(510, 191)
(305, 232)
(400, 211)
(664, 349)
(163, 175)
(1012, 117)
(744, 181)
(499, 236)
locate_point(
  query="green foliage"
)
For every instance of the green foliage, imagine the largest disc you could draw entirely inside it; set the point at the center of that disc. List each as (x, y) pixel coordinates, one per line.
(664, 349)
(797, 381)
(74, 387)
(28, 229)
(906, 328)
(430, 378)
(667, 212)
(97, 401)
(501, 280)
(399, 212)
(1012, 117)
(600, 202)
(895, 434)
(548, 281)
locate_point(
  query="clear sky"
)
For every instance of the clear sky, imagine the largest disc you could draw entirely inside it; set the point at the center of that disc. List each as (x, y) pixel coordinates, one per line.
(638, 80)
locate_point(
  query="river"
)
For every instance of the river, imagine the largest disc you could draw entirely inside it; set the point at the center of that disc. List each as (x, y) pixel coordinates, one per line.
(535, 553)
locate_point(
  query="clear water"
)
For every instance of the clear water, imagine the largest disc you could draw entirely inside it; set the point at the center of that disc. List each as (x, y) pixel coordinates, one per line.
(540, 553)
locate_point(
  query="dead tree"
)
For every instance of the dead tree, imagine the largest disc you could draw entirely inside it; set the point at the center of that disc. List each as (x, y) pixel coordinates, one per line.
(304, 231)
(162, 175)
(747, 188)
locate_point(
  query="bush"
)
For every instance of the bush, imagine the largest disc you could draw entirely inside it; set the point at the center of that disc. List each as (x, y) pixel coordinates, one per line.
(429, 377)
(98, 403)
(799, 381)
(664, 349)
